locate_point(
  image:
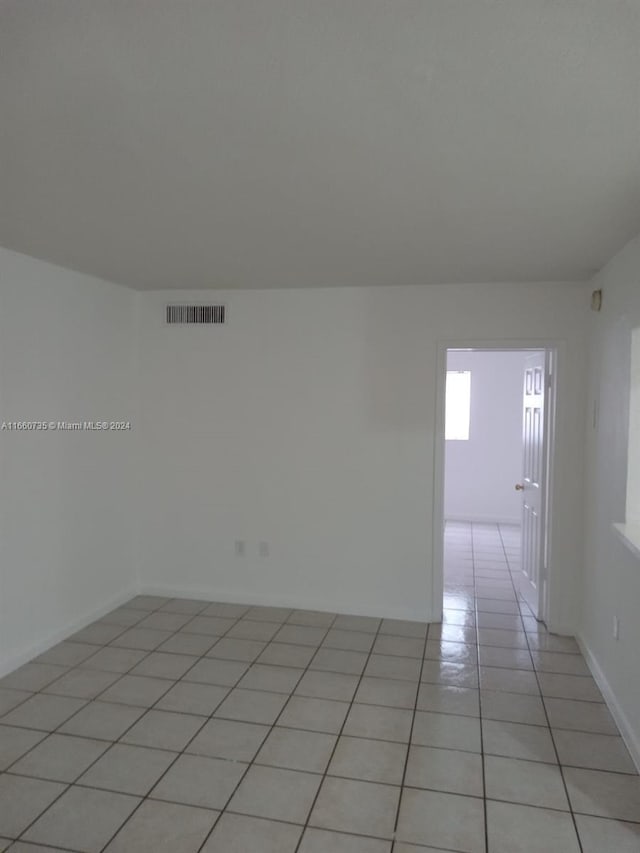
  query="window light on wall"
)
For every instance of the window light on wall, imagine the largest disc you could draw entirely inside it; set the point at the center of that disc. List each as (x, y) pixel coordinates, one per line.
(633, 473)
(458, 405)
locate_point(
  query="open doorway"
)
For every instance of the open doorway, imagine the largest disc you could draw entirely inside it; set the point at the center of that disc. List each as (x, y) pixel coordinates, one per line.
(496, 470)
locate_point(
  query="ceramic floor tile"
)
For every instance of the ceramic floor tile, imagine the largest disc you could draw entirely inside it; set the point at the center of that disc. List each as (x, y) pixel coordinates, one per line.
(189, 606)
(603, 794)
(67, 654)
(392, 666)
(380, 723)
(146, 639)
(268, 614)
(598, 834)
(446, 731)
(312, 618)
(386, 691)
(10, 699)
(285, 654)
(82, 683)
(598, 752)
(327, 685)
(188, 644)
(60, 758)
(249, 630)
(124, 616)
(523, 829)
(449, 700)
(355, 641)
(196, 780)
(136, 690)
(512, 707)
(15, 742)
(297, 750)
(211, 626)
(110, 659)
(82, 819)
(43, 712)
(190, 698)
(323, 841)
(527, 782)
(277, 679)
(346, 805)
(128, 769)
(164, 621)
(580, 716)
(369, 760)
(318, 715)
(242, 834)
(102, 720)
(238, 649)
(276, 794)
(559, 662)
(339, 660)
(164, 828)
(367, 624)
(252, 706)
(303, 635)
(386, 644)
(32, 676)
(509, 680)
(22, 800)
(164, 665)
(445, 770)
(516, 740)
(404, 628)
(436, 819)
(230, 739)
(226, 610)
(569, 687)
(453, 674)
(164, 730)
(224, 673)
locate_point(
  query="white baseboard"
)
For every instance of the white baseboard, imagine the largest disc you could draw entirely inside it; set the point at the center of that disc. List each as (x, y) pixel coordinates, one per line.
(483, 519)
(630, 737)
(7, 665)
(240, 596)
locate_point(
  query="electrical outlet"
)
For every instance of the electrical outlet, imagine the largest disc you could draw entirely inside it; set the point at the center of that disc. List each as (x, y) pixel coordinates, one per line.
(616, 628)
(239, 547)
(263, 549)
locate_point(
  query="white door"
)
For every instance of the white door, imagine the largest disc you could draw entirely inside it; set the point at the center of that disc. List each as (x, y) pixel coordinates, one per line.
(533, 485)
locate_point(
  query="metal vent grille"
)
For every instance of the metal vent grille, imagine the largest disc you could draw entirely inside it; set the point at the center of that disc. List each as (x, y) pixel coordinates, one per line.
(196, 314)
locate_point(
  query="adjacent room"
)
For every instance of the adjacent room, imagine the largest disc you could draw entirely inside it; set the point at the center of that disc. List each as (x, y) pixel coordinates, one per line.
(319, 417)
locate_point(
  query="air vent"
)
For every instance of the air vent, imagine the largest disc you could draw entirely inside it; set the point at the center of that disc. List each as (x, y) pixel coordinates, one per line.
(196, 314)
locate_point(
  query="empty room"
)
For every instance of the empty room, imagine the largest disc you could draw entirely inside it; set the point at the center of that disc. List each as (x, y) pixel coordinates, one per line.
(319, 426)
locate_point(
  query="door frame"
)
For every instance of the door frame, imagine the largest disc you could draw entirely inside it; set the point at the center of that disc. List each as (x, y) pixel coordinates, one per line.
(556, 351)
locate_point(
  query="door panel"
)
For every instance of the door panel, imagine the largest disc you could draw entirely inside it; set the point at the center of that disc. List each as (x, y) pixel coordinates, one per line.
(534, 456)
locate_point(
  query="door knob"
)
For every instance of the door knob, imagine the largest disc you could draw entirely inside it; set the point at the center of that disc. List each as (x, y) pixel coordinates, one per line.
(519, 487)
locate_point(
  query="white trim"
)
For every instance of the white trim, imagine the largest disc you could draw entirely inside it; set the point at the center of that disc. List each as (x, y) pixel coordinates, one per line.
(242, 596)
(52, 639)
(629, 736)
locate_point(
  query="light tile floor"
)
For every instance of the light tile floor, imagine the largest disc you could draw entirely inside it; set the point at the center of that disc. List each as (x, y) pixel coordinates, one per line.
(175, 726)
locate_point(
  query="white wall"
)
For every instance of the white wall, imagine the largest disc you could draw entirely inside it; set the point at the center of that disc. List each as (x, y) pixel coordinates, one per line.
(612, 572)
(308, 422)
(481, 473)
(66, 513)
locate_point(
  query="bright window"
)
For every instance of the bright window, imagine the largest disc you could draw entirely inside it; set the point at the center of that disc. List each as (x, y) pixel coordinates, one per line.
(458, 405)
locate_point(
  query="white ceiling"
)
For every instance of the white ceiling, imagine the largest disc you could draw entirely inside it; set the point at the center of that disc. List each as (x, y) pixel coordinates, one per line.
(293, 143)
